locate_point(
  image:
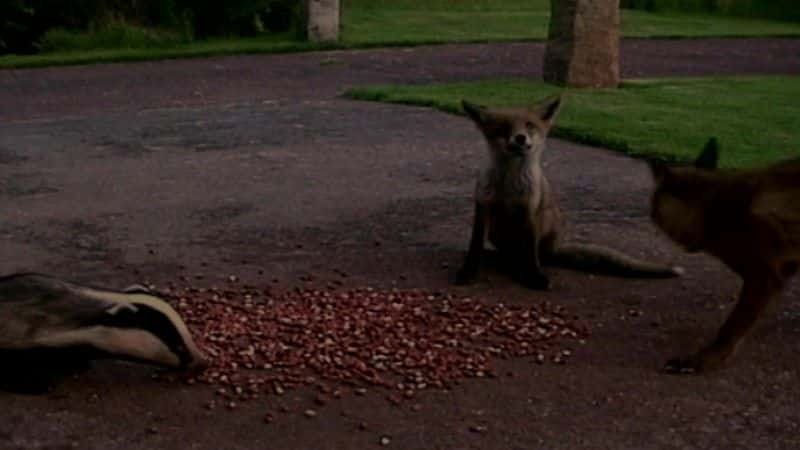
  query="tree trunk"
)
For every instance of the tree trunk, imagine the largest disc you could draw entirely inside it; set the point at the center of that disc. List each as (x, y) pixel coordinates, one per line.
(583, 43)
(322, 20)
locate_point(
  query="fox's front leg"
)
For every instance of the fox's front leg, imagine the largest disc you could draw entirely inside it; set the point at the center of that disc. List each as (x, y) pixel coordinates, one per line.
(472, 263)
(756, 294)
(529, 267)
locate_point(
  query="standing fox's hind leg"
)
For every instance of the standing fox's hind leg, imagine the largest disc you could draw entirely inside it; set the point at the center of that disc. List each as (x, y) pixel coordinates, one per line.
(757, 292)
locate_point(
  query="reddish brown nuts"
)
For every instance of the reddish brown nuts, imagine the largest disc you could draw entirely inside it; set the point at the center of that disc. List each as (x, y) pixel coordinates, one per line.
(262, 342)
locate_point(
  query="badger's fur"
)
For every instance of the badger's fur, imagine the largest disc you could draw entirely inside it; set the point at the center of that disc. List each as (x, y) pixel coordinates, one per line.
(39, 312)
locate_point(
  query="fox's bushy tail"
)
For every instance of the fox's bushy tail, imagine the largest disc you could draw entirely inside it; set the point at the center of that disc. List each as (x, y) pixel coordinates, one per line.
(602, 260)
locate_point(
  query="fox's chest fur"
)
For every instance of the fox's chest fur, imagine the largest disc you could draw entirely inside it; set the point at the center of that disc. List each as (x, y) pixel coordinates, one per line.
(511, 183)
(518, 199)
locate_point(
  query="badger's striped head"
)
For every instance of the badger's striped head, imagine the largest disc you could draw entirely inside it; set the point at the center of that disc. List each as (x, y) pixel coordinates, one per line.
(141, 326)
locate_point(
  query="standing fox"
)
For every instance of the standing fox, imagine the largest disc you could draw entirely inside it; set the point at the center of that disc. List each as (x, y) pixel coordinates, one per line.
(750, 220)
(515, 207)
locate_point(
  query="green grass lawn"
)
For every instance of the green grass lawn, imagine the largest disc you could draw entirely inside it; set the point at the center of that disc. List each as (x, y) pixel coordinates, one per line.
(191, 50)
(376, 23)
(757, 119)
(404, 22)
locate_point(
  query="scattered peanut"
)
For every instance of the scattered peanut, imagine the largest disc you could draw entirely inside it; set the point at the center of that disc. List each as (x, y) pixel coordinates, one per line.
(263, 342)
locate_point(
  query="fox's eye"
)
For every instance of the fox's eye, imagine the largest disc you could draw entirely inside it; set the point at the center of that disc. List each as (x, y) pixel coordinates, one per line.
(529, 125)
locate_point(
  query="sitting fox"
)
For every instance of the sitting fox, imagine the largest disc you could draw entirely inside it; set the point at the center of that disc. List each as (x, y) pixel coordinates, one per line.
(515, 207)
(748, 219)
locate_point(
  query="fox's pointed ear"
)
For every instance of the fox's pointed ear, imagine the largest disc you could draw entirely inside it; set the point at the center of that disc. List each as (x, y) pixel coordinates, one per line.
(709, 157)
(659, 170)
(474, 111)
(548, 109)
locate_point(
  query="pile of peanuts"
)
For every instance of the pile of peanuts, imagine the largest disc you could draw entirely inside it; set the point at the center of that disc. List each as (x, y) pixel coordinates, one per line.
(336, 339)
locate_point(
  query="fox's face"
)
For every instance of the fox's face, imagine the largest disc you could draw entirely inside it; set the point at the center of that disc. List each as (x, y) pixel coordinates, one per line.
(675, 212)
(515, 132)
(676, 205)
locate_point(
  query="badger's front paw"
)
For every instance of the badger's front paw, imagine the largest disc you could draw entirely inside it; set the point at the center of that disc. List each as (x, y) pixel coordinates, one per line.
(466, 275)
(677, 271)
(536, 280)
(685, 365)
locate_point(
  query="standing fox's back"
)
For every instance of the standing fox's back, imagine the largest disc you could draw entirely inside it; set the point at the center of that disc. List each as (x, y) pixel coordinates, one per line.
(777, 200)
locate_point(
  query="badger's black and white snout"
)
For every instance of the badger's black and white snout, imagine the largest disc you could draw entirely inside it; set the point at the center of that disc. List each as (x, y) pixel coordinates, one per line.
(40, 312)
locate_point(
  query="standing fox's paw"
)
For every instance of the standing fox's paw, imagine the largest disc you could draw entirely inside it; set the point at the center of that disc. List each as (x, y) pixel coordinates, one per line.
(702, 361)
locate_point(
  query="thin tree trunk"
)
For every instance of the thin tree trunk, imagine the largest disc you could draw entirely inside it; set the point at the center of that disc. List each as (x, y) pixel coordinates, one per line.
(322, 20)
(583, 43)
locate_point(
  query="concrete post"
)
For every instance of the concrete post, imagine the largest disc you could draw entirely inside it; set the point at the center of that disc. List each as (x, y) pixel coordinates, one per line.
(322, 20)
(583, 43)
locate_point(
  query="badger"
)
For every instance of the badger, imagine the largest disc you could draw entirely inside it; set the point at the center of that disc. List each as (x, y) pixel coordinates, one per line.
(40, 314)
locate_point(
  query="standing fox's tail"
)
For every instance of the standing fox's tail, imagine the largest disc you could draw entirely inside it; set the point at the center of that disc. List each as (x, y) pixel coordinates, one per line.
(597, 259)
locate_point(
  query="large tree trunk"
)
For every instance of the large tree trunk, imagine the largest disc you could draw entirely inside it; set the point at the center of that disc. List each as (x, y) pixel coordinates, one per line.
(322, 20)
(583, 43)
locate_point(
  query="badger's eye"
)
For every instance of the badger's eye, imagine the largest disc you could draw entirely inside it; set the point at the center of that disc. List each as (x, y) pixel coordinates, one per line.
(136, 289)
